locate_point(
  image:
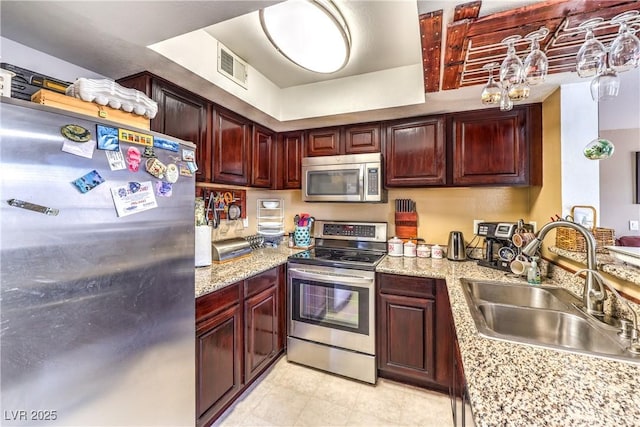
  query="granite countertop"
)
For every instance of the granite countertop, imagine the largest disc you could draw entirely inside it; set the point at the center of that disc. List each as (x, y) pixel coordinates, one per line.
(606, 263)
(216, 276)
(508, 383)
(517, 384)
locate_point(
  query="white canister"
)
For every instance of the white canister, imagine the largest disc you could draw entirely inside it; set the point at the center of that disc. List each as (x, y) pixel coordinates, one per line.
(423, 251)
(394, 247)
(410, 249)
(436, 251)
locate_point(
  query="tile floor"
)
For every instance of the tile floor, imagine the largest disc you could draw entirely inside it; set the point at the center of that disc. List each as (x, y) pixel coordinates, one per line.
(294, 395)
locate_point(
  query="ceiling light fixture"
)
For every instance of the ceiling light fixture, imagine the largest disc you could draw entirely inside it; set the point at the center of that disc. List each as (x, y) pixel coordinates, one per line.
(310, 33)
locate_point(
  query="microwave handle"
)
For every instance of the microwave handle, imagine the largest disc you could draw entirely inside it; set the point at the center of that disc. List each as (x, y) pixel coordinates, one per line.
(351, 280)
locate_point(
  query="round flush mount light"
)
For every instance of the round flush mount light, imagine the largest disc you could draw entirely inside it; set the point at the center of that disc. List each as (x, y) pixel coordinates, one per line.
(310, 33)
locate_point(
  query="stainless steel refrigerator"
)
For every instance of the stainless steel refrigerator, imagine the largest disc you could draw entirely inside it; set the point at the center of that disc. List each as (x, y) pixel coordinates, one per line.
(97, 272)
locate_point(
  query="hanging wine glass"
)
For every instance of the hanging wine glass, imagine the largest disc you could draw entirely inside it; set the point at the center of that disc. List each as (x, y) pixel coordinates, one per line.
(536, 63)
(599, 149)
(511, 68)
(519, 91)
(624, 53)
(492, 92)
(591, 56)
(506, 103)
(605, 85)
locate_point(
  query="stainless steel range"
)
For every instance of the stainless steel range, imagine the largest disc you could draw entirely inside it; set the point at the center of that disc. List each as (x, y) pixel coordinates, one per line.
(332, 299)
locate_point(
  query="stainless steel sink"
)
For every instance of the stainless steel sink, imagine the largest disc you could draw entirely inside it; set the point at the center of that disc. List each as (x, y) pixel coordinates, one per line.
(523, 296)
(545, 316)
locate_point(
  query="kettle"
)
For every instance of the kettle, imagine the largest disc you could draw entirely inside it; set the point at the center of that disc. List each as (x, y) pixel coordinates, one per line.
(456, 250)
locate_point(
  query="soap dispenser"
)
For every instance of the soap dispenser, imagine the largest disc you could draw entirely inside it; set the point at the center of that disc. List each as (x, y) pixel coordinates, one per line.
(533, 275)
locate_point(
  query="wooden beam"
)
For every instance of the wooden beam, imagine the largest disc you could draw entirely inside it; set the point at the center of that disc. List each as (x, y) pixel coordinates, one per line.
(431, 41)
(455, 52)
(467, 11)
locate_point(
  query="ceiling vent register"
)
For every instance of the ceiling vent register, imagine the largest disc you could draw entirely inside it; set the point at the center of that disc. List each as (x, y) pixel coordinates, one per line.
(232, 66)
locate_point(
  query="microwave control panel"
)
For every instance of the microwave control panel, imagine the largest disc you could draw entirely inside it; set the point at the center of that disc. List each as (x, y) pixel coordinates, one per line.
(373, 177)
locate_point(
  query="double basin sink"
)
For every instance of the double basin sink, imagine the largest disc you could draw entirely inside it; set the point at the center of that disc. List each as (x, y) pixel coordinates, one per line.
(545, 316)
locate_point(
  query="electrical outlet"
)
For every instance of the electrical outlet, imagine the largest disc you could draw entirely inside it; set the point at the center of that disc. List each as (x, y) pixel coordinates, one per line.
(245, 222)
(475, 225)
(634, 225)
(534, 224)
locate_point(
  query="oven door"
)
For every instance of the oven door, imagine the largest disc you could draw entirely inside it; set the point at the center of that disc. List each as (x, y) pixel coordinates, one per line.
(333, 183)
(332, 306)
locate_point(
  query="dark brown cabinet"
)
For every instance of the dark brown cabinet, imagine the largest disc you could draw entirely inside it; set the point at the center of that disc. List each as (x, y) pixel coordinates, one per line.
(496, 148)
(289, 160)
(239, 333)
(263, 152)
(352, 139)
(231, 148)
(413, 331)
(218, 351)
(323, 142)
(181, 114)
(364, 138)
(262, 308)
(415, 152)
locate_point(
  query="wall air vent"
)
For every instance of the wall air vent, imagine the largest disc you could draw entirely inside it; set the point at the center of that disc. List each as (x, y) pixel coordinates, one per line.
(231, 66)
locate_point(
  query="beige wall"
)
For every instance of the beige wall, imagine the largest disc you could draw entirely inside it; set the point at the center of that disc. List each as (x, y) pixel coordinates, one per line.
(440, 210)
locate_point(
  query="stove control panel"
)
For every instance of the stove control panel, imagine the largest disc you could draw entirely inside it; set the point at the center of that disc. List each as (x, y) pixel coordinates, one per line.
(366, 231)
(349, 230)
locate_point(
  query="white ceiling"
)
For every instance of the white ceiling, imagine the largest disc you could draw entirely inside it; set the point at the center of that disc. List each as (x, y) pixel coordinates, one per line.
(111, 38)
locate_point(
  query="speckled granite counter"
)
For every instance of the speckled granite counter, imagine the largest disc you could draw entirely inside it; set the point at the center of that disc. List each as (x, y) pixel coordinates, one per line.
(514, 384)
(216, 276)
(606, 263)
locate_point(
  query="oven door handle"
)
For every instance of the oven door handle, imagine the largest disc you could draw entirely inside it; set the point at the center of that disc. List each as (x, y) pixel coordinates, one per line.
(351, 280)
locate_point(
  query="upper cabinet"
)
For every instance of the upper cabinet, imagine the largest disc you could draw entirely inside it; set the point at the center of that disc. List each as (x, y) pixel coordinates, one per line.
(473, 148)
(415, 152)
(323, 142)
(263, 152)
(352, 139)
(491, 147)
(231, 148)
(289, 151)
(181, 114)
(363, 138)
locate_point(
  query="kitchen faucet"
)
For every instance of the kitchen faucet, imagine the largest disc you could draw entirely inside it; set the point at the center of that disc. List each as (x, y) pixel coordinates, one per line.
(594, 294)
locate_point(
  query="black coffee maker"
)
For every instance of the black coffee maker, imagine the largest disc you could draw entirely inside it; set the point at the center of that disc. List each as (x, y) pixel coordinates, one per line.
(499, 250)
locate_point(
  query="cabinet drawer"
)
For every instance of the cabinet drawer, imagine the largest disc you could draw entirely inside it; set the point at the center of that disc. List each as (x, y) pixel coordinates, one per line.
(215, 302)
(260, 282)
(407, 286)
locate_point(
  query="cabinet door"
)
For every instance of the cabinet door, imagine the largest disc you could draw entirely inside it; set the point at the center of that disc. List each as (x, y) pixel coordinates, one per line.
(489, 148)
(261, 331)
(184, 116)
(181, 114)
(363, 138)
(232, 153)
(406, 338)
(289, 160)
(263, 157)
(415, 153)
(219, 362)
(323, 142)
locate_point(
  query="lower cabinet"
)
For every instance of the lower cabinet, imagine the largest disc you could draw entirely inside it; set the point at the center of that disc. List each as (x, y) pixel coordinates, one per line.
(239, 333)
(413, 331)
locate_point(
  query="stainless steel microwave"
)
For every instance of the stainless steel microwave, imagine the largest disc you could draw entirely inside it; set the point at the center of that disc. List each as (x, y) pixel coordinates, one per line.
(347, 178)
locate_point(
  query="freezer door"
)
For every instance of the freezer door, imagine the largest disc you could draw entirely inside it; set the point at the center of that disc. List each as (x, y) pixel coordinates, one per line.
(97, 311)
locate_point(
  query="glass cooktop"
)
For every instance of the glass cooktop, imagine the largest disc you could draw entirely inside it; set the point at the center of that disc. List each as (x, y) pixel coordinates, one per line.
(339, 258)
